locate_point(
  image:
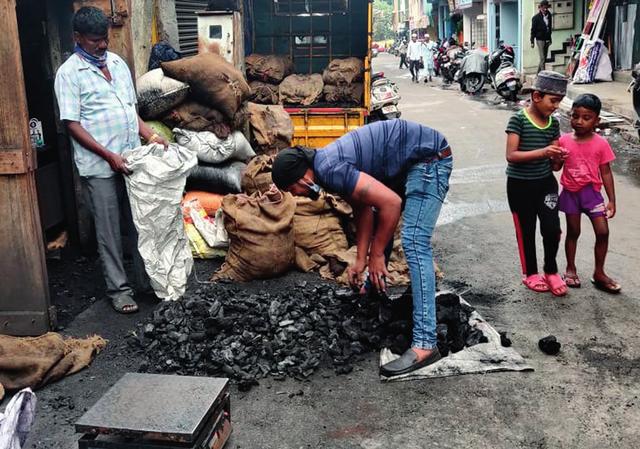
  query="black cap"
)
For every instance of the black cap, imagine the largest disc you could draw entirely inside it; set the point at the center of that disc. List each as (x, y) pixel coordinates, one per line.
(290, 165)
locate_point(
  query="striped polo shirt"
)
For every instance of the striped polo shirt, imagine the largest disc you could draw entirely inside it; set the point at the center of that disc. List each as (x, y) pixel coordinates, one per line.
(532, 137)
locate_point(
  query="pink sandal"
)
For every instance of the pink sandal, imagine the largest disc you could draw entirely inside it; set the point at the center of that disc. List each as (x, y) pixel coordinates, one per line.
(556, 284)
(536, 283)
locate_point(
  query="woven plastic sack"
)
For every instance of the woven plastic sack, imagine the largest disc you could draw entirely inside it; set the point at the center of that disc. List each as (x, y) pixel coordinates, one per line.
(223, 178)
(209, 148)
(155, 189)
(158, 94)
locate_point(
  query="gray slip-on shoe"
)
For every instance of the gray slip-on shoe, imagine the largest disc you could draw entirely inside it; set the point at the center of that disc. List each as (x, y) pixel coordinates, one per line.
(407, 363)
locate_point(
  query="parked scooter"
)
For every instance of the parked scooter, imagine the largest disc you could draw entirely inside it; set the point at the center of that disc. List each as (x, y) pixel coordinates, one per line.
(449, 62)
(473, 72)
(503, 74)
(634, 88)
(384, 98)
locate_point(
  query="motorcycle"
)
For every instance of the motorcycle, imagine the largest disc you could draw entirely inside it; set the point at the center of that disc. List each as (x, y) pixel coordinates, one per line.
(473, 72)
(384, 98)
(503, 74)
(449, 62)
(634, 88)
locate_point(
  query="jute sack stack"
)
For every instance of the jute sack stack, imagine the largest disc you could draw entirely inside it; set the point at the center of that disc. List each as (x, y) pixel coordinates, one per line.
(343, 71)
(212, 79)
(264, 93)
(301, 89)
(271, 127)
(198, 117)
(348, 93)
(257, 176)
(261, 238)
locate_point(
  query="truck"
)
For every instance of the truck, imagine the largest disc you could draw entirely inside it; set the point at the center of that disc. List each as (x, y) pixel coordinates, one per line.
(311, 33)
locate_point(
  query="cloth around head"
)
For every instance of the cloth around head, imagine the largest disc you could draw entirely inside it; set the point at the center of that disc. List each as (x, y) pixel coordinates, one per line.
(549, 82)
(290, 165)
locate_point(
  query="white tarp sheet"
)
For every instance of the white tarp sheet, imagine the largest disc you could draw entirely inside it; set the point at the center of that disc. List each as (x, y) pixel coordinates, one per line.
(15, 422)
(479, 359)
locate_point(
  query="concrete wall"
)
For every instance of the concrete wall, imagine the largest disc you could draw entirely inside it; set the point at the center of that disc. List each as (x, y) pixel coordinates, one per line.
(467, 15)
(530, 55)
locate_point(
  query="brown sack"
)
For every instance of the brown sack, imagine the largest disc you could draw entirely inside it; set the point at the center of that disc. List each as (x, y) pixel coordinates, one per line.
(349, 93)
(35, 362)
(343, 71)
(271, 127)
(198, 117)
(212, 79)
(301, 89)
(317, 227)
(268, 68)
(264, 93)
(257, 176)
(260, 229)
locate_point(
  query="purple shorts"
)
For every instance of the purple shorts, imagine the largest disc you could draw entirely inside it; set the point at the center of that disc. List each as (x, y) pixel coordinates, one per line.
(586, 200)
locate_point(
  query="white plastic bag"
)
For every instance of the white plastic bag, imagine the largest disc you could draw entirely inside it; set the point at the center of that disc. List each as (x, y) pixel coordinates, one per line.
(158, 93)
(213, 150)
(16, 421)
(155, 189)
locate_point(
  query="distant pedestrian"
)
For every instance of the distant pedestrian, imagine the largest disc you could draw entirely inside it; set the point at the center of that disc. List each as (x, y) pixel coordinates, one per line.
(426, 49)
(402, 50)
(586, 169)
(413, 54)
(532, 190)
(97, 103)
(541, 27)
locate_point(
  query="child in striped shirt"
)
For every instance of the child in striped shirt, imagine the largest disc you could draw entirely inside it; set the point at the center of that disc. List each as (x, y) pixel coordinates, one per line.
(532, 190)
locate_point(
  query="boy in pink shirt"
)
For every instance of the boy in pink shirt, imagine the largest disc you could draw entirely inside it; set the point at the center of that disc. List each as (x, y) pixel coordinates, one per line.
(586, 169)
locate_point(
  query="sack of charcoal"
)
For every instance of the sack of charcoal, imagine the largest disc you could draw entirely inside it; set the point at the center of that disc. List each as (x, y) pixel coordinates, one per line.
(348, 93)
(261, 239)
(343, 71)
(212, 79)
(301, 90)
(271, 127)
(195, 116)
(257, 176)
(264, 93)
(268, 68)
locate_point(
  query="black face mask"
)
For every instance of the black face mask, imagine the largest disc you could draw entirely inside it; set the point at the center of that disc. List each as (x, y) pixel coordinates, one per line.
(314, 191)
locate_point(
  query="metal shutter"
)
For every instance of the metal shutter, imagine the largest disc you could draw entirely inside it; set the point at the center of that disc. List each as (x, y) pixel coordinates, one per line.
(188, 24)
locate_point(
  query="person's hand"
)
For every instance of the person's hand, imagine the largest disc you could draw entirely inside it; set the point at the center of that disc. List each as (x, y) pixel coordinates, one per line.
(378, 272)
(553, 152)
(354, 273)
(118, 164)
(159, 140)
(611, 209)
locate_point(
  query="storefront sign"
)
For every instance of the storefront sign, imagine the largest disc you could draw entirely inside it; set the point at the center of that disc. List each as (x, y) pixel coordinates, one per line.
(463, 4)
(35, 132)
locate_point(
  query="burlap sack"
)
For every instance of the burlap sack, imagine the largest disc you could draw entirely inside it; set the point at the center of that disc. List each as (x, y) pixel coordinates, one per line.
(268, 68)
(264, 93)
(271, 127)
(348, 93)
(260, 229)
(343, 71)
(301, 89)
(212, 80)
(317, 226)
(36, 361)
(257, 176)
(198, 117)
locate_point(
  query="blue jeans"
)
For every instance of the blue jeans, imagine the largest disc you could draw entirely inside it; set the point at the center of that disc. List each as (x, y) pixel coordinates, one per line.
(426, 189)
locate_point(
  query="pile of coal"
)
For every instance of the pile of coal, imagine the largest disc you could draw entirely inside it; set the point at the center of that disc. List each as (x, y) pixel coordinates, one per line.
(549, 345)
(220, 330)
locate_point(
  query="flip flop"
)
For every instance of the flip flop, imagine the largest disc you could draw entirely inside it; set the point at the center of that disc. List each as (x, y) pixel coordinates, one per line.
(609, 287)
(572, 280)
(556, 284)
(124, 305)
(536, 283)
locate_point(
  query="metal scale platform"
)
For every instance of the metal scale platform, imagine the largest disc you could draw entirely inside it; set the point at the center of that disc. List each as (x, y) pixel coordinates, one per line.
(152, 411)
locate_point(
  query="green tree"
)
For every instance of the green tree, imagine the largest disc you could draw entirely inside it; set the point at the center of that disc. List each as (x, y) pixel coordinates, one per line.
(382, 20)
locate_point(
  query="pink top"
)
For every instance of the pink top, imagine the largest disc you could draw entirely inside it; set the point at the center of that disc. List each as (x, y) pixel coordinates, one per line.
(582, 166)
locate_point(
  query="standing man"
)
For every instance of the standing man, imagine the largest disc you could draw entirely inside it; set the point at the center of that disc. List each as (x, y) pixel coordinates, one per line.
(414, 53)
(541, 26)
(427, 57)
(403, 54)
(375, 167)
(97, 103)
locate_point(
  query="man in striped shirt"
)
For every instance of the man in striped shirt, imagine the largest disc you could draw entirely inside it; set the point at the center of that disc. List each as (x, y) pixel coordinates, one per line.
(97, 103)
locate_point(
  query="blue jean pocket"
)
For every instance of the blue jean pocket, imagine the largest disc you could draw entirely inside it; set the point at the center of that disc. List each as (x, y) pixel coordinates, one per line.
(429, 179)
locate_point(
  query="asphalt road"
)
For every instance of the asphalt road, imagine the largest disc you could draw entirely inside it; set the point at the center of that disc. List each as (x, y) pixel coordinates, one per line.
(586, 397)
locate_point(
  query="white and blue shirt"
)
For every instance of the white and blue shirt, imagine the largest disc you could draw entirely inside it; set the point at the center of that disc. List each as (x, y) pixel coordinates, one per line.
(106, 109)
